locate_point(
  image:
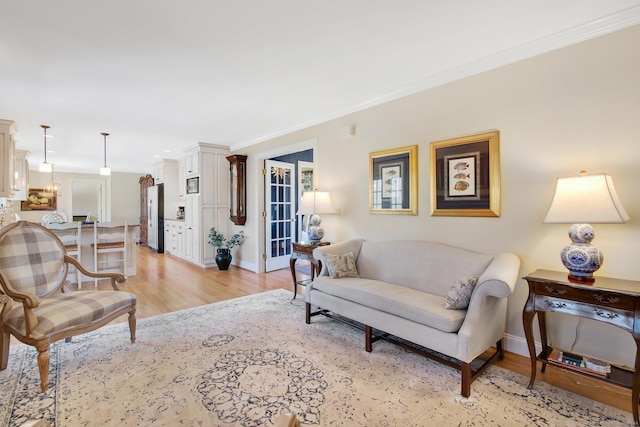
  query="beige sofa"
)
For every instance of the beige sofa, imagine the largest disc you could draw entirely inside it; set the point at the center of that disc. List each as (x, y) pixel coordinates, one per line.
(402, 290)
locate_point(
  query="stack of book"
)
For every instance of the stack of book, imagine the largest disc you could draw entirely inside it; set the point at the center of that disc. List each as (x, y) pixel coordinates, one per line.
(579, 363)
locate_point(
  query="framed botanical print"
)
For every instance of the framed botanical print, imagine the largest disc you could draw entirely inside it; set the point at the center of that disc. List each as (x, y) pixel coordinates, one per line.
(465, 176)
(393, 181)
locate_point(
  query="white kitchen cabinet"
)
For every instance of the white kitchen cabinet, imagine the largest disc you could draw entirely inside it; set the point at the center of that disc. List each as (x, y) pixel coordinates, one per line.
(192, 161)
(158, 172)
(166, 172)
(174, 238)
(182, 181)
(210, 207)
(7, 157)
(21, 174)
(192, 229)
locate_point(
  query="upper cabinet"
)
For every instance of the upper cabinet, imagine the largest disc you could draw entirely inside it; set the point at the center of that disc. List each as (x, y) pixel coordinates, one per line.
(21, 174)
(158, 172)
(192, 162)
(182, 183)
(7, 157)
(166, 172)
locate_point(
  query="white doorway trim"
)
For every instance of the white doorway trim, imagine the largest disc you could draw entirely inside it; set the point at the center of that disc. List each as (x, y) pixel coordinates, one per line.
(258, 200)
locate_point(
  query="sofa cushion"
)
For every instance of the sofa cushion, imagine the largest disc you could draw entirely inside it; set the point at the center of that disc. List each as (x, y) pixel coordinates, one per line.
(460, 293)
(402, 301)
(341, 265)
(425, 266)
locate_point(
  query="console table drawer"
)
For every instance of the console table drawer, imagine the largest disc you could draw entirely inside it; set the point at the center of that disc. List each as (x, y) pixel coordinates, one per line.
(615, 316)
(589, 296)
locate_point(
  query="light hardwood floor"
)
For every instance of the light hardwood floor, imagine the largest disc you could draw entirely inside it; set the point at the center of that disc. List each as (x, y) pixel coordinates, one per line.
(164, 283)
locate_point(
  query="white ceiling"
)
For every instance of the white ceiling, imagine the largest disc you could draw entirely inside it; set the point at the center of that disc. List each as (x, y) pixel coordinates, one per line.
(161, 75)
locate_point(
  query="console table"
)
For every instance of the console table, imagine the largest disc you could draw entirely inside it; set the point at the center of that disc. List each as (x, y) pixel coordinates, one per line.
(613, 301)
(304, 250)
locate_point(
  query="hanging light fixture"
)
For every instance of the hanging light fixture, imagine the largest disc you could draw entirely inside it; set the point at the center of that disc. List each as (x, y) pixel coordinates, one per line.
(44, 166)
(53, 189)
(105, 170)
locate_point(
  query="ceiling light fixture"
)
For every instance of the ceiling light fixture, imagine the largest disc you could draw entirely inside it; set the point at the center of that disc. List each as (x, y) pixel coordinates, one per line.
(54, 188)
(44, 166)
(105, 170)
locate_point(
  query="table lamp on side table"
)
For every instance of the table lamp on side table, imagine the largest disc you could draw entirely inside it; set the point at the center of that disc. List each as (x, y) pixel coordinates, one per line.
(314, 203)
(580, 200)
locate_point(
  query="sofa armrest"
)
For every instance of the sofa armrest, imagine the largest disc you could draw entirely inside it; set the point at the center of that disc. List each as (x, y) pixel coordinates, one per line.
(499, 278)
(485, 321)
(340, 248)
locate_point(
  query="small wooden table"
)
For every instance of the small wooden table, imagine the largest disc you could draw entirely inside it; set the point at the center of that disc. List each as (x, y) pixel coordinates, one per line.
(613, 301)
(304, 250)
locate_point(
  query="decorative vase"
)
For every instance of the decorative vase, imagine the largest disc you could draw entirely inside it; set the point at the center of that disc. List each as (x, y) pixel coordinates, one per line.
(223, 258)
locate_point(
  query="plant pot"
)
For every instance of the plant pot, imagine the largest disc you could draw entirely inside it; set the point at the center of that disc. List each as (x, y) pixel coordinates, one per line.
(223, 259)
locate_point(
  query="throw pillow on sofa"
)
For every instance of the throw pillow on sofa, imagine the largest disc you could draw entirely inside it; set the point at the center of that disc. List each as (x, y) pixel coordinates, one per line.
(341, 265)
(459, 294)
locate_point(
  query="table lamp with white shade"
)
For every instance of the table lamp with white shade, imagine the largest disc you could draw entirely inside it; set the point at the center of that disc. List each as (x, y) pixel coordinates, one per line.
(580, 200)
(314, 203)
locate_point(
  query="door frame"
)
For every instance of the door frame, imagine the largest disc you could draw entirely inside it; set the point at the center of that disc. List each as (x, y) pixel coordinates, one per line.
(259, 197)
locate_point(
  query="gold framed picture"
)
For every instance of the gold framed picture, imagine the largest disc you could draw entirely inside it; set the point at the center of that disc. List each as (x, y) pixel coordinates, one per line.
(393, 181)
(465, 176)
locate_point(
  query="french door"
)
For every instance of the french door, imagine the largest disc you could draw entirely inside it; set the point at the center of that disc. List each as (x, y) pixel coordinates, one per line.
(280, 216)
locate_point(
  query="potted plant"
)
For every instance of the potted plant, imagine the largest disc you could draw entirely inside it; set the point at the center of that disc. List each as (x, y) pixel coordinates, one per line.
(224, 245)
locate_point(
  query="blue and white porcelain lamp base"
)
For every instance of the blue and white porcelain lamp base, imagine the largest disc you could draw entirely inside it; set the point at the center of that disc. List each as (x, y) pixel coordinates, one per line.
(580, 258)
(314, 231)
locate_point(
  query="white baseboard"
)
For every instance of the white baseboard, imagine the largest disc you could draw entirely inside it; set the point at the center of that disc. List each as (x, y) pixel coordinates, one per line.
(247, 265)
(518, 345)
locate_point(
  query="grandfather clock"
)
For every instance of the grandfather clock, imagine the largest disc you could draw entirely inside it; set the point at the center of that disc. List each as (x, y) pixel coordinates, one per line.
(238, 190)
(145, 183)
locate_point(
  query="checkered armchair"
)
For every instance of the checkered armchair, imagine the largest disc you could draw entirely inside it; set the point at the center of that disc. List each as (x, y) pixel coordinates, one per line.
(33, 272)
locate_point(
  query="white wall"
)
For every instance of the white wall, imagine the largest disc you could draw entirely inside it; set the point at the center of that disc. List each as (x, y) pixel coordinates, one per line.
(571, 109)
(122, 194)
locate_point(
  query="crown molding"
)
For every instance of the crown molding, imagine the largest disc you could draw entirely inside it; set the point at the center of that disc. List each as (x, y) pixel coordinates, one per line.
(599, 27)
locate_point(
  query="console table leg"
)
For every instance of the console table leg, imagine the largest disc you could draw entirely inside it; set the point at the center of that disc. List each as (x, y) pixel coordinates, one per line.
(635, 393)
(527, 322)
(292, 266)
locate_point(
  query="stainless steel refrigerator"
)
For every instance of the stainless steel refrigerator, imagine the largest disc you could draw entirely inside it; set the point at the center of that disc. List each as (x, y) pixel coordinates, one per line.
(155, 212)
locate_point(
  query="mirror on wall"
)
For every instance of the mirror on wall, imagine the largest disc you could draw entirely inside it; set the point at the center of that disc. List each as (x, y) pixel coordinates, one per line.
(88, 200)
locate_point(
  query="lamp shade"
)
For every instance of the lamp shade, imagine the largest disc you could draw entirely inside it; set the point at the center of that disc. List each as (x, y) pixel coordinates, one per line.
(316, 202)
(586, 199)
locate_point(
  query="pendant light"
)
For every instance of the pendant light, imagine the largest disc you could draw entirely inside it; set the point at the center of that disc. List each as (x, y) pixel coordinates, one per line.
(105, 170)
(52, 189)
(44, 166)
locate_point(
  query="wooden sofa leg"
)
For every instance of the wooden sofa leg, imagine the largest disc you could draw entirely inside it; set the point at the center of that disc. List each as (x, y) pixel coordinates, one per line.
(308, 314)
(500, 349)
(465, 369)
(367, 338)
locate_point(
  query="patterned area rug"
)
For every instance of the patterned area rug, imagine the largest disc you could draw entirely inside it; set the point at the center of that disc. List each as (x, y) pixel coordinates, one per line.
(244, 361)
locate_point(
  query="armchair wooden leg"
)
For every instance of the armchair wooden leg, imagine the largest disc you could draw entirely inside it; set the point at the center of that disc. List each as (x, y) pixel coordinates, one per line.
(500, 350)
(132, 325)
(367, 338)
(4, 349)
(307, 318)
(43, 365)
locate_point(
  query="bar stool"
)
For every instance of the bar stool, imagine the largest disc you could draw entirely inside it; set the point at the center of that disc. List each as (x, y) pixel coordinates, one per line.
(110, 238)
(70, 234)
